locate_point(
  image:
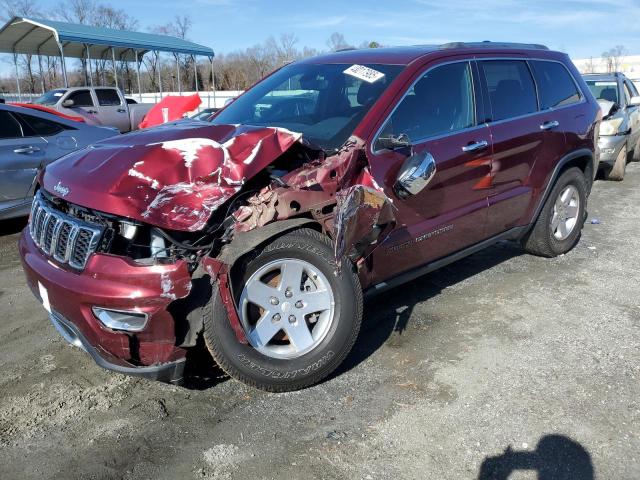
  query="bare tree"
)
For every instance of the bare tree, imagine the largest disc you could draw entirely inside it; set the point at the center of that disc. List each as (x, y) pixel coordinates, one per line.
(337, 42)
(614, 57)
(589, 67)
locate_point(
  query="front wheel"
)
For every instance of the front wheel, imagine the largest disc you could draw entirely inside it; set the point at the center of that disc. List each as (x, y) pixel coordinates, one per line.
(560, 222)
(300, 317)
(619, 167)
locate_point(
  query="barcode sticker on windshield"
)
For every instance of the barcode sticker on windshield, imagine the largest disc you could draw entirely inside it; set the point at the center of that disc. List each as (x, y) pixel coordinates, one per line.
(606, 84)
(364, 73)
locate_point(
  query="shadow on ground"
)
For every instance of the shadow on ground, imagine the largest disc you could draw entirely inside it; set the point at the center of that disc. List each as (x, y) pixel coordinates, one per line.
(556, 457)
(391, 312)
(12, 226)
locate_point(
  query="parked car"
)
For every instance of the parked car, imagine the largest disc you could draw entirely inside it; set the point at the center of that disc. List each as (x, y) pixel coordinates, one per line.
(620, 129)
(261, 236)
(29, 140)
(204, 114)
(102, 106)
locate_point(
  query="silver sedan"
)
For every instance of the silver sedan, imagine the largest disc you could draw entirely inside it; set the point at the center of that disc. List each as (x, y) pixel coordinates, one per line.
(29, 140)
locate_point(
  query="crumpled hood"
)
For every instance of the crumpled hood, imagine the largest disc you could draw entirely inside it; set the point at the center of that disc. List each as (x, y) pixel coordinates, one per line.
(607, 107)
(173, 176)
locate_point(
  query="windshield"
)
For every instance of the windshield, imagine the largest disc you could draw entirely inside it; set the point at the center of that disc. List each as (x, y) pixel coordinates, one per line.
(604, 90)
(323, 102)
(50, 98)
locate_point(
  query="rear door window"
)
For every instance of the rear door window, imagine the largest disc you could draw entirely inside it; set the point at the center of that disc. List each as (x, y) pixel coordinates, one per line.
(108, 97)
(81, 98)
(35, 126)
(555, 84)
(442, 101)
(9, 126)
(511, 88)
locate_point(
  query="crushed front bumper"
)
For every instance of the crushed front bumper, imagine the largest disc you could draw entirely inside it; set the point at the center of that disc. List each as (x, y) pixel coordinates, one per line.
(610, 146)
(116, 283)
(171, 372)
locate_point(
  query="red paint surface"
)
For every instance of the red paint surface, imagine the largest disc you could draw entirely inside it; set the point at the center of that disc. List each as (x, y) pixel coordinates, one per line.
(147, 176)
(113, 282)
(176, 107)
(34, 106)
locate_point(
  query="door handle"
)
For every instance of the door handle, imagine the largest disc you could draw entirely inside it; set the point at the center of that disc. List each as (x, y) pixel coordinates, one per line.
(475, 146)
(29, 149)
(121, 110)
(92, 111)
(550, 125)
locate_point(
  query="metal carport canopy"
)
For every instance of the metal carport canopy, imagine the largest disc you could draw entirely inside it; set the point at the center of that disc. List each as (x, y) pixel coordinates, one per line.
(45, 37)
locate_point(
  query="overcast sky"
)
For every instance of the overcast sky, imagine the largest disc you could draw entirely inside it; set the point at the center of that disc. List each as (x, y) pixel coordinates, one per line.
(582, 28)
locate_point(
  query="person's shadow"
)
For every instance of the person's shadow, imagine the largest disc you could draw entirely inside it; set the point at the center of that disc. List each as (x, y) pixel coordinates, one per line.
(556, 457)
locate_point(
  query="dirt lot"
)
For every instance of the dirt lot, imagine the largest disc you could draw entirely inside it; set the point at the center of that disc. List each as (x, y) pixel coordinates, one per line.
(498, 351)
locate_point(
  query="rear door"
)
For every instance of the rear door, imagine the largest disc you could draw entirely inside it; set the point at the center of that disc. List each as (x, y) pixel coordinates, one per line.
(439, 114)
(112, 110)
(518, 138)
(20, 157)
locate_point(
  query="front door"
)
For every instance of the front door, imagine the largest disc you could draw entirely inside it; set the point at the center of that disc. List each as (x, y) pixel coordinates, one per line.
(20, 157)
(83, 106)
(438, 113)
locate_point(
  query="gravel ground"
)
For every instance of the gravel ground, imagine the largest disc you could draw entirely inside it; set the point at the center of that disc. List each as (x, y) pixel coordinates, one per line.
(500, 362)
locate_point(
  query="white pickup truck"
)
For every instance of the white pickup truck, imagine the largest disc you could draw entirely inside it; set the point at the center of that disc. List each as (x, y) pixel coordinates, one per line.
(104, 106)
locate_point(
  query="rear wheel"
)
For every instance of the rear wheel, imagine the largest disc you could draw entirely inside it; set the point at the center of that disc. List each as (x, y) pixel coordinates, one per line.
(300, 317)
(560, 222)
(619, 167)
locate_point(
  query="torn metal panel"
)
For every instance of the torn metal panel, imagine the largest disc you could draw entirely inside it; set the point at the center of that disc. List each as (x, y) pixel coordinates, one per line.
(172, 176)
(219, 273)
(364, 214)
(308, 188)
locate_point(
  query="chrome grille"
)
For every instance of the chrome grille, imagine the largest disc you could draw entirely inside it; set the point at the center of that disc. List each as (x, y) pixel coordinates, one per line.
(65, 238)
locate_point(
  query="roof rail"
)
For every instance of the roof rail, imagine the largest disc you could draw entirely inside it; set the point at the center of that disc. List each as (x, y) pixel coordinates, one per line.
(488, 44)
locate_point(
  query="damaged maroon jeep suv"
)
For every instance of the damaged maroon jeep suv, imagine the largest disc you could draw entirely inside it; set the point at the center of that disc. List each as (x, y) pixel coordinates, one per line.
(258, 235)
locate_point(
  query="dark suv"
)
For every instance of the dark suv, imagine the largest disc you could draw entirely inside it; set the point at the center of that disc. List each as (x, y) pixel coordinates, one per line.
(339, 175)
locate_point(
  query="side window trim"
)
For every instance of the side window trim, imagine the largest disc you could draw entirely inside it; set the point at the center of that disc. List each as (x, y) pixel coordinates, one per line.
(486, 88)
(580, 92)
(98, 102)
(15, 119)
(76, 92)
(573, 79)
(470, 62)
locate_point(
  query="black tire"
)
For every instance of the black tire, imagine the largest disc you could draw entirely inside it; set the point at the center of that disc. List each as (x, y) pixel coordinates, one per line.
(619, 167)
(246, 364)
(541, 240)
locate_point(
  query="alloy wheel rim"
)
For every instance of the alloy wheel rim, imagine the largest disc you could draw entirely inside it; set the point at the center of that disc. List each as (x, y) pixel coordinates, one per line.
(565, 212)
(286, 308)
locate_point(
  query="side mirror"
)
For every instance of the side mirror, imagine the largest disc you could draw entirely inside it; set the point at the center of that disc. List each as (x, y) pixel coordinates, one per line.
(634, 102)
(68, 103)
(415, 174)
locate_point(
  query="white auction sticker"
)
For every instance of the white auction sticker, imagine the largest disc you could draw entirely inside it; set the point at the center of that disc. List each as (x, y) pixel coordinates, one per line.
(366, 74)
(606, 84)
(44, 295)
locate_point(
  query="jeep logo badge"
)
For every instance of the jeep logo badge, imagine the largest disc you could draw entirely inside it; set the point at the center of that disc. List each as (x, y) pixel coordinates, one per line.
(61, 189)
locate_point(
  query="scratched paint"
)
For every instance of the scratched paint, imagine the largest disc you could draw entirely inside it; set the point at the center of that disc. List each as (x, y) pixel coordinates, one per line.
(173, 178)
